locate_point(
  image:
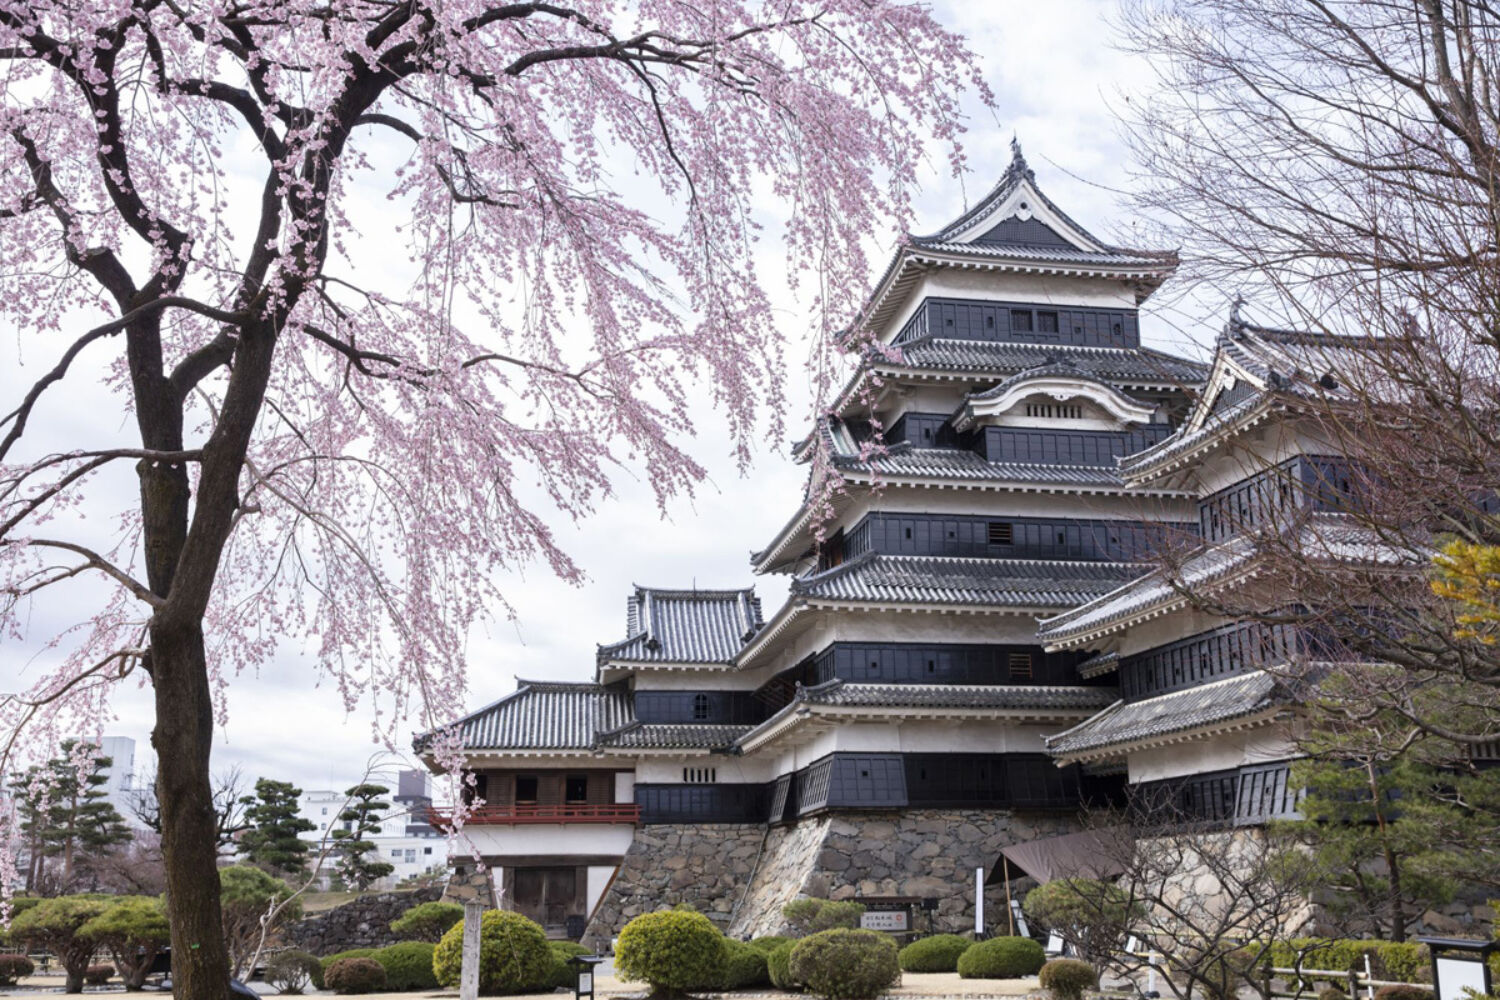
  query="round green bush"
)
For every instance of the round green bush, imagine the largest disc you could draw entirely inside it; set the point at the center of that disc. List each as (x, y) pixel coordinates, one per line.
(408, 966)
(13, 968)
(513, 955)
(98, 975)
(744, 966)
(427, 921)
(293, 971)
(938, 953)
(1402, 992)
(327, 960)
(564, 975)
(1001, 958)
(769, 943)
(1067, 978)
(842, 964)
(673, 951)
(779, 966)
(354, 975)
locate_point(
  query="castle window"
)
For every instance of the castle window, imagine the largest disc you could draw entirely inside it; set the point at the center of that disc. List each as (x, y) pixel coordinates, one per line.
(1020, 666)
(700, 707)
(576, 788)
(1046, 322)
(526, 789)
(1000, 533)
(1020, 320)
(699, 775)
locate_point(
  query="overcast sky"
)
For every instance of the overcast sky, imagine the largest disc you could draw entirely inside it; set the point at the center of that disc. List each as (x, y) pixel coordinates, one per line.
(1058, 80)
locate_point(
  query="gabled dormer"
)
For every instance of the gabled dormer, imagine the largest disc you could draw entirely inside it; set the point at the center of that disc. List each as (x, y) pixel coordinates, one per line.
(1054, 394)
(681, 629)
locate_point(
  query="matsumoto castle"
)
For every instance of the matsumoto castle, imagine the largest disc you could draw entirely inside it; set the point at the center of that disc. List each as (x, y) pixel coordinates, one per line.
(975, 648)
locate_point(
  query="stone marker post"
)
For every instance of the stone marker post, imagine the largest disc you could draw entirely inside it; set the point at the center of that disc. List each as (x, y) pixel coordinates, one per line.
(468, 976)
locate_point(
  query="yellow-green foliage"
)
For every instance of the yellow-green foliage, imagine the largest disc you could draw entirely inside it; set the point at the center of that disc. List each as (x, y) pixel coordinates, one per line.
(808, 916)
(779, 966)
(744, 966)
(1469, 576)
(1001, 958)
(427, 921)
(673, 951)
(843, 964)
(938, 953)
(513, 955)
(1406, 962)
(408, 966)
(563, 974)
(1067, 978)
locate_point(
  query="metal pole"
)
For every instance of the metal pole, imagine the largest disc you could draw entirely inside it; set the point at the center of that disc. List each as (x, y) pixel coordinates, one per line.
(468, 976)
(978, 903)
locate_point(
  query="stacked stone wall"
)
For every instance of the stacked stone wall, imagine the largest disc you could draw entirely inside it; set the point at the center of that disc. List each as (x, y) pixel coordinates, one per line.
(364, 922)
(740, 876)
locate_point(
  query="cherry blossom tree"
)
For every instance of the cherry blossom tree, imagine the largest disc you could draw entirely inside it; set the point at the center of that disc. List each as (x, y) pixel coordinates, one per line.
(320, 450)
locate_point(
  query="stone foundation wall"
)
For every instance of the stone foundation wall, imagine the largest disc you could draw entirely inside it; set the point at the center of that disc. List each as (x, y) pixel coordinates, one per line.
(740, 876)
(360, 923)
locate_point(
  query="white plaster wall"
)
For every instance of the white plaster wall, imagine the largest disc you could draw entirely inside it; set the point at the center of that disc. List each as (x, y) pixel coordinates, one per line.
(624, 786)
(992, 286)
(1253, 453)
(1168, 628)
(727, 770)
(598, 879)
(927, 736)
(500, 842)
(1216, 753)
(716, 678)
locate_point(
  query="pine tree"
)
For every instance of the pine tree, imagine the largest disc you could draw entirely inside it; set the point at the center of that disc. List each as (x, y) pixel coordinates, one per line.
(362, 815)
(272, 841)
(66, 814)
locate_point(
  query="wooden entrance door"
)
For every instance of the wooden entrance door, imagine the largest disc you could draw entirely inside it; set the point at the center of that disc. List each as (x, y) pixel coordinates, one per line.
(547, 895)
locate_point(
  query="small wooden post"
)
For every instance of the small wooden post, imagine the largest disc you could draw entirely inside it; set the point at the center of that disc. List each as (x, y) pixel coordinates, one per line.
(468, 976)
(1010, 910)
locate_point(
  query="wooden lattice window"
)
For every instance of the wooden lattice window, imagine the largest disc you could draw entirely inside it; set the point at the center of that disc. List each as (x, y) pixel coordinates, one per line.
(1000, 533)
(1020, 666)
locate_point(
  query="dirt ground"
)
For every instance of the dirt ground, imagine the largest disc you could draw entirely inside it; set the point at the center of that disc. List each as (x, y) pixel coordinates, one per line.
(913, 984)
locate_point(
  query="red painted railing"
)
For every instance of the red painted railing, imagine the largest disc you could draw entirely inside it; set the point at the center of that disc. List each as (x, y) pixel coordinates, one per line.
(613, 812)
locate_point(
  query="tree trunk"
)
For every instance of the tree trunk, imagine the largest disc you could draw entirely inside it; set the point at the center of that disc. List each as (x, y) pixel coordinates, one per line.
(183, 738)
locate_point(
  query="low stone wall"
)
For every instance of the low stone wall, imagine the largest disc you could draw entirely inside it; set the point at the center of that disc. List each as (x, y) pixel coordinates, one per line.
(740, 876)
(360, 923)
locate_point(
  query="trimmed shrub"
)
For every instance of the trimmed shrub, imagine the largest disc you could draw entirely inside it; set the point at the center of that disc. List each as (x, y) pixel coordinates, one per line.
(779, 966)
(427, 921)
(1402, 993)
(408, 965)
(938, 953)
(98, 975)
(1001, 958)
(327, 960)
(769, 943)
(843, 964)
(293, 971)
(1089, 914)
(563, 974)
(513, 955)
(13, 968)
(744, 966)
(354, 975)
(673, 951)
(809, 916)
(1067, 978)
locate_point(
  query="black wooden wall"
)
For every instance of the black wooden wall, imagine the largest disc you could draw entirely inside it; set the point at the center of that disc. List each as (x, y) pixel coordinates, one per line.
(1022, 322)
(1008, 538)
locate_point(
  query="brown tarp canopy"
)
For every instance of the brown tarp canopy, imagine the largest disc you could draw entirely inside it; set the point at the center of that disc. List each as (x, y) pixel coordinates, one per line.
(1086, 854)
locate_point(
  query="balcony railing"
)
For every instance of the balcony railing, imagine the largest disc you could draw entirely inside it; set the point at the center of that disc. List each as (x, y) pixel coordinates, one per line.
(516, 815)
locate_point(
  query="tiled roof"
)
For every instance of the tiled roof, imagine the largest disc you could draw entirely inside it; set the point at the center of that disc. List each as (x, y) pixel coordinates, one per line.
(1003, 359)
(1054, 255)
(1026, 583)
(1199, 569)
(669, 736)
(1098, 666)
(999, 696)
(547, 715)
(1130, 722)
(686, 626)
(1054, 366)
(901, 459)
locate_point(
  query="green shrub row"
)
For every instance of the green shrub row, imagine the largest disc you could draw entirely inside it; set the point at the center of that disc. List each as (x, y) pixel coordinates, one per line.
(1406, 962)
(354, 975)
(1067, 978)
(407, 965)
(843, 964)
(938, 953)
(1001, 958)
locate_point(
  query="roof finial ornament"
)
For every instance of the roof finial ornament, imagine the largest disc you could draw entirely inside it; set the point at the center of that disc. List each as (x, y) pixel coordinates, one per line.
(1017, 158)
(1236, 327)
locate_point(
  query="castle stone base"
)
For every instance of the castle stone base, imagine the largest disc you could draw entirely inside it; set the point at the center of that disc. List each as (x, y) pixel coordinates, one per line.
(741, 875)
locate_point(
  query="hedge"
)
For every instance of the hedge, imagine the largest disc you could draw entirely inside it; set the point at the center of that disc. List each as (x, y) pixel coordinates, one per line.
(408, 966)
(769, 943)
(1001, 958)
(673, 951)
(744, 966)
(938, 953)
(1067, 978)
(779, 966)
(843, 964)
(354, 975)
(328, 960)
(563, 974)
(513, 955)
(1406, 961)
